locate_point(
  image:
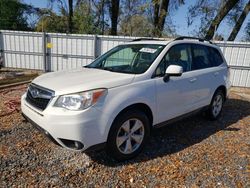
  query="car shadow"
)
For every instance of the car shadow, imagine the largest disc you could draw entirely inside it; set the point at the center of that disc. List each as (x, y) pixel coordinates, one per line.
(177, 136)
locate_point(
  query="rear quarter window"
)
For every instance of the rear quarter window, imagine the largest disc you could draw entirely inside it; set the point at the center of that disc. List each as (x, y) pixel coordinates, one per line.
(201, 57)
(215, 57)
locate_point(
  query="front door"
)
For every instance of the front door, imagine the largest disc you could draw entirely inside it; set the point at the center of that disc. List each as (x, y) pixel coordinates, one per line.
(174, 98)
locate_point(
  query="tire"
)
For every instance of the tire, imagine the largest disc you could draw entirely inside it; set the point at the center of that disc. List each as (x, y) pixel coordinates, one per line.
(216, 105)
(128, 135)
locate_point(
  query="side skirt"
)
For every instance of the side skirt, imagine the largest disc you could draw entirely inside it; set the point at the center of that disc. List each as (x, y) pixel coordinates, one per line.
(162, 124)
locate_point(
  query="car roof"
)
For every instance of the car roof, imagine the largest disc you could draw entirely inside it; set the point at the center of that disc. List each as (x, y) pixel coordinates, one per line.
(160, 42)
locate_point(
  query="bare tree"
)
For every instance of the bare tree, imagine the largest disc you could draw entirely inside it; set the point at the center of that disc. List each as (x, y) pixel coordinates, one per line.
(239, 22)
(224, 10)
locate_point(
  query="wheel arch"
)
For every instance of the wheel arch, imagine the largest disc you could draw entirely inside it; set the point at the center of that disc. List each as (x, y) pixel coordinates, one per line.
(138, 106)
(111, 144)
(223, 89)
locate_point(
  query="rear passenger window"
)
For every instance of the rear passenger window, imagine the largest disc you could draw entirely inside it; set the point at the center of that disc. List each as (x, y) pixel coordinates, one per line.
(201, 59)
(215, 57)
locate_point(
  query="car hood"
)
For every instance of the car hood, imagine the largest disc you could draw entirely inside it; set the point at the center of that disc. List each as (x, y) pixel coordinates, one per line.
(65, 82)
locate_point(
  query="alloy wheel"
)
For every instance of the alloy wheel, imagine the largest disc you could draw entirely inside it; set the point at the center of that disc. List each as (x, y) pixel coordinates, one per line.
(130, 136)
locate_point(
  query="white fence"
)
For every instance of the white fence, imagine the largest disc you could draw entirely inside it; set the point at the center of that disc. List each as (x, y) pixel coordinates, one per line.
(54, 51)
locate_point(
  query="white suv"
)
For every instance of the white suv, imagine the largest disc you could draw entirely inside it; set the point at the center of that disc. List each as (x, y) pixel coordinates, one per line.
(117, 99)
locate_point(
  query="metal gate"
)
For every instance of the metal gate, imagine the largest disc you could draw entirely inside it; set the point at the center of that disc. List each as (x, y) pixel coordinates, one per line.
(57, 51)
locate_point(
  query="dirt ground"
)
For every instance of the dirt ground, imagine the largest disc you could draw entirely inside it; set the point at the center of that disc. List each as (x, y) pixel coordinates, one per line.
(194, 152)
(9, 76)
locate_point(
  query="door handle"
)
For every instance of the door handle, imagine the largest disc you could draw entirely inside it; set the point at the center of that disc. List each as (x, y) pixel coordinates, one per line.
(216, 73)
(192, 80)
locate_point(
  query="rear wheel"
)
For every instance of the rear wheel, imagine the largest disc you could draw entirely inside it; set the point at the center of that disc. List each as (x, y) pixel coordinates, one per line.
(128, 135)
(216, 105)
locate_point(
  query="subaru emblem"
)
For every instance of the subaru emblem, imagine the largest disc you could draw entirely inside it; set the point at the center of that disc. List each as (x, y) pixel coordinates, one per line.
(35, 92)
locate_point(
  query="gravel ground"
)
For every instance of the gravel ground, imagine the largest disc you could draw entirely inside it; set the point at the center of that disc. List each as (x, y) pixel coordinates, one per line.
(191, 153)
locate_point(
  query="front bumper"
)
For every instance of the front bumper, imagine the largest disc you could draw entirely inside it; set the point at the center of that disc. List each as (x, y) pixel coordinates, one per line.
(78, 130)
(40, 129)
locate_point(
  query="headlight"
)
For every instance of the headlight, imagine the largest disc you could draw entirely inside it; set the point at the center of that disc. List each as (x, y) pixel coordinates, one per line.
(79, 101)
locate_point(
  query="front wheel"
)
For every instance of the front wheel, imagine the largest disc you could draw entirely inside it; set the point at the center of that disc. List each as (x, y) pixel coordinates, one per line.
(128, 135)
(216, 105)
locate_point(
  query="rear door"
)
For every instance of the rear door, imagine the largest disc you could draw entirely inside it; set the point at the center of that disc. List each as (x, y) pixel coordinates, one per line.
(206, 72)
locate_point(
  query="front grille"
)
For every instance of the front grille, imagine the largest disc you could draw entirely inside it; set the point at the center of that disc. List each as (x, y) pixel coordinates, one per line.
(38, 97)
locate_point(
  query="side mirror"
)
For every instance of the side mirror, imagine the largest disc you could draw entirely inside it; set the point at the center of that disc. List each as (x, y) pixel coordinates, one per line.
(173, 70)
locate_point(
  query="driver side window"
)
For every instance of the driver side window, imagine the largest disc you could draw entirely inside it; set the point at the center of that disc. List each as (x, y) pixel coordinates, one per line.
(179, 54)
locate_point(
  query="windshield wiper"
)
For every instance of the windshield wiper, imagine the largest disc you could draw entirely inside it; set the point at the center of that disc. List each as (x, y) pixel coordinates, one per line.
(126, 72)
(101, 68)
(108, 68)
(91, 67)
(111, 69)
(86, 66)
(105, 68)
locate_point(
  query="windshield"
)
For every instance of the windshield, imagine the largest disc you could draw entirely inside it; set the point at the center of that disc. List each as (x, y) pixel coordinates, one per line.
(131, 58)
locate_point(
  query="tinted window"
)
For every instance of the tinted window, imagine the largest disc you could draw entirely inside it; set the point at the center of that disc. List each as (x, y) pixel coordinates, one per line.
(201, 59)
(177, 55)
(215, 57)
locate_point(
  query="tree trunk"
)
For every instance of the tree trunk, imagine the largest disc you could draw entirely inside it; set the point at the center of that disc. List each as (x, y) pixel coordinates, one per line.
(247, 30)
(156, 13)
(114, 11)
(163, 14)
(70, 24)
(102, 9)
(239, 22)
(219, 17)
(160, 13)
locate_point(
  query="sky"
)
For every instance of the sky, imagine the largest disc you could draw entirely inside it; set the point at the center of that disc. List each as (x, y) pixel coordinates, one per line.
(179, 19)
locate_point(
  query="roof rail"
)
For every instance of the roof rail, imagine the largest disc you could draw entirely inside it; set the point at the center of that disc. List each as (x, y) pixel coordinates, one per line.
(195, 38)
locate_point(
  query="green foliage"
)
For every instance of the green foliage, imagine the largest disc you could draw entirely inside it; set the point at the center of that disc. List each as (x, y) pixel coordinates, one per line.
(135, 18)
(83, 20)
(13, 15)
(133, 21)
(136, 26)
(51, 22)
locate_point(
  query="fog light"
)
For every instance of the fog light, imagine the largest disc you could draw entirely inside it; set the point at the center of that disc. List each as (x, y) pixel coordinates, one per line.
(73, 144)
